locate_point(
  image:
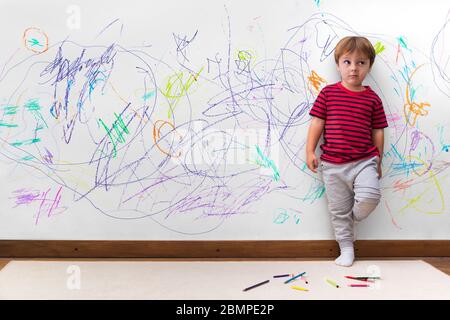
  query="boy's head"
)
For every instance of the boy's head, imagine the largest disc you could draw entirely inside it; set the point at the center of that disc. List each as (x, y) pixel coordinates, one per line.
(351, 44)
(354, 58)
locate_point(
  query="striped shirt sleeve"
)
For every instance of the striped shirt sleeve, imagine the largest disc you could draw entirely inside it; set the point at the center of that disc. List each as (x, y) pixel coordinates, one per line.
(379, 120)
(319, 108)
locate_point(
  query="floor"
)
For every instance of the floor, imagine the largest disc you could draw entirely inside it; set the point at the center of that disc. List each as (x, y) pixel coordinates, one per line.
(194, 279)
(441, 263)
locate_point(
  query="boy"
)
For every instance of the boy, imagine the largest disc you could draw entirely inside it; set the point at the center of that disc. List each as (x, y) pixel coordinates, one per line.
(352, 118)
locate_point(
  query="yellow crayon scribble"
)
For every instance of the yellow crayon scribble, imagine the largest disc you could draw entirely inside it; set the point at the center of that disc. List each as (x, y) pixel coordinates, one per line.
(423, 201)
(177, 88)
(379, 47)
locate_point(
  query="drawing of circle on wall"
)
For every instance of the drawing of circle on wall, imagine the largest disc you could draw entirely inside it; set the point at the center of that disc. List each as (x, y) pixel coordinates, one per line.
(35, 40)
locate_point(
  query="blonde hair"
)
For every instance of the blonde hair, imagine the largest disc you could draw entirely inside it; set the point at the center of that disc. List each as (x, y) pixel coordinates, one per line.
(350, 44)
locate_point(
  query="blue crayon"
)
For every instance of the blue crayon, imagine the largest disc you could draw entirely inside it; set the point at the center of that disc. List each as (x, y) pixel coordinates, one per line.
(293, 278)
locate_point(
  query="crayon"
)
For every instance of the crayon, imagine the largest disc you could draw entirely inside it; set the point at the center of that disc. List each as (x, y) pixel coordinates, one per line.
(283, 275)
(332, 283)
(299, 288)
(363, 278)
(293, 278)
(359, 285)
(256, 285)
(353, 278)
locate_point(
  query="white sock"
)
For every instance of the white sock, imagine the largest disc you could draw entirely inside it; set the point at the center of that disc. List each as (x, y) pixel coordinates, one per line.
(346, 258)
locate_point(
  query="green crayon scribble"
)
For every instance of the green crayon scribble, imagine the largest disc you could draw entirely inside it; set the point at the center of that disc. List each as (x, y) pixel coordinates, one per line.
(116, 133)
(9, 125)
(445, 147)
(314, 193)
(33, 106)
(148, 95)
(25, 142)
(35, 42)
(267, 163)
(9, 110)
(402, 42)
(281, 217)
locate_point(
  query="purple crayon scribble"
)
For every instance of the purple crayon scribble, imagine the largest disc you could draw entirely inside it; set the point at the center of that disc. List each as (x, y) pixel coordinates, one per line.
(48, 204)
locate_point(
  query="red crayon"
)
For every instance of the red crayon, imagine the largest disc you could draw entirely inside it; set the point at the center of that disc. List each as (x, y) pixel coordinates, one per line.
(359, 285)
(353, 278)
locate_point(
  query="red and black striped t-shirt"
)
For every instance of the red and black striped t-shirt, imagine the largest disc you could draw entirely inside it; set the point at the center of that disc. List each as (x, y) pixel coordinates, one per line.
(349, 119)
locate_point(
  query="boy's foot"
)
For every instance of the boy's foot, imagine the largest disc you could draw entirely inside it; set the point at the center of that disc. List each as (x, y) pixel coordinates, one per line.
(346, 258)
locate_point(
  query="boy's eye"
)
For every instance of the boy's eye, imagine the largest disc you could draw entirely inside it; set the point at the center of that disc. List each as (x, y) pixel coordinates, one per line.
(346, 62)
(361, 62)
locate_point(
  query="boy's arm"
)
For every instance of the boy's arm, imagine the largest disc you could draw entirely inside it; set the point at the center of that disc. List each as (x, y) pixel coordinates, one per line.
(315, 131)
(378, 141)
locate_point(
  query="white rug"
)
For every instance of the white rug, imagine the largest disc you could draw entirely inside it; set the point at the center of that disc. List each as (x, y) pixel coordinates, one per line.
(211, 280)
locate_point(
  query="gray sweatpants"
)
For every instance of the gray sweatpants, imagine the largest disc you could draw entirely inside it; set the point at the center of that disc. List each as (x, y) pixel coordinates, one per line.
(353, 192)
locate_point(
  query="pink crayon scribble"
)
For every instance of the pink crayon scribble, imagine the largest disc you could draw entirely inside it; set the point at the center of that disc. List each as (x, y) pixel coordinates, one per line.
(47, 204)
(396, 119)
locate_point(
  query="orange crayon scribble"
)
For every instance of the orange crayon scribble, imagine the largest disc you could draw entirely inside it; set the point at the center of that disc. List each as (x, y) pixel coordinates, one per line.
(157, 136)
(316, 82)
(411, 109)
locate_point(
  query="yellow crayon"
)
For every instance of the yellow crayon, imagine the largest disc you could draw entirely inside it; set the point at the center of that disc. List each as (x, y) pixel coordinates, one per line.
(332, 283)
(299, 288)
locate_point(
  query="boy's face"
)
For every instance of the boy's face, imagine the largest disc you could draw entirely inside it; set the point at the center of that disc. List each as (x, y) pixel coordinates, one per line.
(353, 67)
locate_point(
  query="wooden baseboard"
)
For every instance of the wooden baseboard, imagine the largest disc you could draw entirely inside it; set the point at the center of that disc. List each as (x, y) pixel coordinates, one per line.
(218, 249)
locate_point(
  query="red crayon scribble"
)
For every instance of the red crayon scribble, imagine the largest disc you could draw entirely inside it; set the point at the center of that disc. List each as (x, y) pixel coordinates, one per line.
(398, 51)
(399, 185)
(392, 218)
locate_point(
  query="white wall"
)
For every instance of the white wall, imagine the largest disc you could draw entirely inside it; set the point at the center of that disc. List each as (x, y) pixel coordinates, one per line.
(187, 120)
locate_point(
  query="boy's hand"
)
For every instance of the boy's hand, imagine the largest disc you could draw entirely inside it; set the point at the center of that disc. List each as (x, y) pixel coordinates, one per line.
(312, 162)
(380, 173)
